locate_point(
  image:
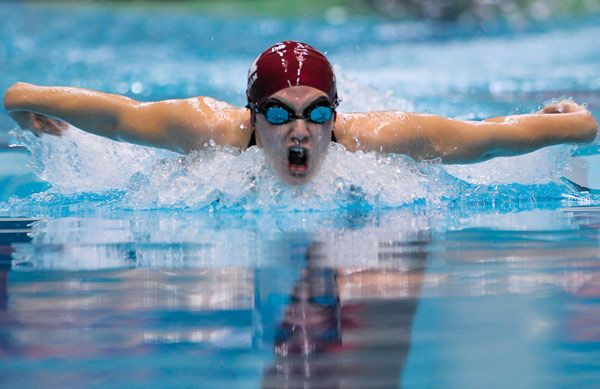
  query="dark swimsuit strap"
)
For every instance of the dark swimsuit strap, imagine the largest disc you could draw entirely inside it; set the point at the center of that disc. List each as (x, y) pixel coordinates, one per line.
(253, 139)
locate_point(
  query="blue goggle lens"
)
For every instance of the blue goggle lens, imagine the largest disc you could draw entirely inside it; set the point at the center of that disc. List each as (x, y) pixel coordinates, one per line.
(320, 114)
(280, 115)
(277, 115)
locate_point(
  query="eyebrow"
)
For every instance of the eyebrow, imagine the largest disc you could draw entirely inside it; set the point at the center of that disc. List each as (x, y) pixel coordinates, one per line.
(276, 100)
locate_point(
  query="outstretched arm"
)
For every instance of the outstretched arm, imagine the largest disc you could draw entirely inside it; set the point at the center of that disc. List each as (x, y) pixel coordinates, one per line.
(179, 125)
(459, 141)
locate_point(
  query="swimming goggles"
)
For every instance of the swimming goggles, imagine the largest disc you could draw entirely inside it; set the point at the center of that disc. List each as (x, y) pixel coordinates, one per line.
(278, 113)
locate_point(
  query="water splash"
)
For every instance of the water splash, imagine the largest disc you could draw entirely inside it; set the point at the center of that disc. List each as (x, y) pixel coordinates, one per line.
(79, 162)
(540, 167)
(84, 167)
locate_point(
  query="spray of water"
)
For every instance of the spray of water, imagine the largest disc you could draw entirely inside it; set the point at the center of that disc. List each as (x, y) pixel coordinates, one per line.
(225, 178)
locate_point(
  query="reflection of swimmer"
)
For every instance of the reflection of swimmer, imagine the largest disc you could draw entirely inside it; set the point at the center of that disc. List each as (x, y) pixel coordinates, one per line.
(292, 100)
(349, 327)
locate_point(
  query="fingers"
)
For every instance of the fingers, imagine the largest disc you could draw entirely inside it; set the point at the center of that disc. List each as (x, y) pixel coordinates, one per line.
(566, 106)
(551, 109)
(38, 124)
(49, 125)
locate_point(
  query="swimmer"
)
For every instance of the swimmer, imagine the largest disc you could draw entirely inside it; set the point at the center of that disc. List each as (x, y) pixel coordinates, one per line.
(291, 114)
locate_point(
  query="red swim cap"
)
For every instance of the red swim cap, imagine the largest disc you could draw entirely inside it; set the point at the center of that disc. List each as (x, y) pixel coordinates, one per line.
(288, 64)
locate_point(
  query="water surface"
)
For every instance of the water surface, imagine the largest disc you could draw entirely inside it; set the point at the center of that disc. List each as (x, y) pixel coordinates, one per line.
(139, 267)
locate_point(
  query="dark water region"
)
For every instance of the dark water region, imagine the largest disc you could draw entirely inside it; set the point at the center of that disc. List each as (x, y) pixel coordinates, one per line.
(311, 300)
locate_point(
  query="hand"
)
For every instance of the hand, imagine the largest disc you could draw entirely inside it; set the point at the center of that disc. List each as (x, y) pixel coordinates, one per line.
(564, 106)
(38, 123)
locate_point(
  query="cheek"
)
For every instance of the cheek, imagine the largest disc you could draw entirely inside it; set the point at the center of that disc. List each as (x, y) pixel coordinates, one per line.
(265, 135)
(323, 137)
(268, 138)
(270, 143)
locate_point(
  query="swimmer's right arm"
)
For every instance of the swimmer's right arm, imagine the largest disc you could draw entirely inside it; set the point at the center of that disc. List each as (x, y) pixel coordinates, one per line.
(179, 125)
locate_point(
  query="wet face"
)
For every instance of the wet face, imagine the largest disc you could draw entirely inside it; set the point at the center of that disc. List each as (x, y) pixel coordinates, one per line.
(296, 149)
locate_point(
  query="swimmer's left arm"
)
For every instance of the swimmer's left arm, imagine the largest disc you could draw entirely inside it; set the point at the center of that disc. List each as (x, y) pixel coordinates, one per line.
(425, 137)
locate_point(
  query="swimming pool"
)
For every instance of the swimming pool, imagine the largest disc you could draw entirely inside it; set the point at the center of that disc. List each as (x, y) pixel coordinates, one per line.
(142, 268)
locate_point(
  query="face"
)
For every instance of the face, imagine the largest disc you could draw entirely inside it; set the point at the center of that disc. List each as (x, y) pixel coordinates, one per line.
(296, 149)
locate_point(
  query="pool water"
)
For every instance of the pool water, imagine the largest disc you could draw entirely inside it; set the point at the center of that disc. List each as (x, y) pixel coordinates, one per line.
(322, 299)
(126, 266)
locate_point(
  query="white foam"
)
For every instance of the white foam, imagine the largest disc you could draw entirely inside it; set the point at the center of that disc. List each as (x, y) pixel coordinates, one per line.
(219, 178)
(150, 178)
(539, 167)
(80, 162)
(244, 181)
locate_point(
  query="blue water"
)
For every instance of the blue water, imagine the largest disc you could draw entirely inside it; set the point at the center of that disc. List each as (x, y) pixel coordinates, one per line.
(138, 267)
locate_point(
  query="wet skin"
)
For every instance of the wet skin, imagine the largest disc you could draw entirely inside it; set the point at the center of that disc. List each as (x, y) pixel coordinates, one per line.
(277, 140)
(186, 125)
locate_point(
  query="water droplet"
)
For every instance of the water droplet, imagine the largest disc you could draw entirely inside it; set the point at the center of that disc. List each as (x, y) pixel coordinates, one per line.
(137, 87)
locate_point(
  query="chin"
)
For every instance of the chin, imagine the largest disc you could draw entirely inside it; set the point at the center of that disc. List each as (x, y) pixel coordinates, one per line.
(296, 179)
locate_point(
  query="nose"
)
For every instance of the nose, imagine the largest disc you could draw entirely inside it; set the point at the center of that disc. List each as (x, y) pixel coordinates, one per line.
(300, 131)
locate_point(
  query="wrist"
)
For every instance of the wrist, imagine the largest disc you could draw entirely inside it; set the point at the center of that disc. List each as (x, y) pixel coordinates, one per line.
(15, 97)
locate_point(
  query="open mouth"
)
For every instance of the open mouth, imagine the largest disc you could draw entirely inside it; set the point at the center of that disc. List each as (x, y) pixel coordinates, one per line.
(298, 160)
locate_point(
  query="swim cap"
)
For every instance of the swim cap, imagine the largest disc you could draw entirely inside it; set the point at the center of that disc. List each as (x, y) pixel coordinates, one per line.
(288, 64)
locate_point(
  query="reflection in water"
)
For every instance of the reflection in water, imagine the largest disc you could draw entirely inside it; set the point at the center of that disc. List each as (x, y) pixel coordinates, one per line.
(319, 300)
(327, 342)
(311, 328)
(12, 231)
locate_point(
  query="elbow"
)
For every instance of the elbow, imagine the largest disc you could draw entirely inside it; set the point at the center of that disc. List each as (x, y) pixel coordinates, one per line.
(445, 146)
(140, 123)
(465, 151)
(123, 122)
(473, 142)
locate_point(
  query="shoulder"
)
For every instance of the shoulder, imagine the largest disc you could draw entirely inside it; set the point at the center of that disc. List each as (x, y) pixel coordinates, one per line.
(230, 125)
(369, 130)
(197, 121)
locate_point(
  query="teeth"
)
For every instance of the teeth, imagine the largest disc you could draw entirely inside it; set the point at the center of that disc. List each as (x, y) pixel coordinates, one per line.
(297, 155)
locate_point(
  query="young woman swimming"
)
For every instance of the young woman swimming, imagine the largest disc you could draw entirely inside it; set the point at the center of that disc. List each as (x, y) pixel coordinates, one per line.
(291, 114)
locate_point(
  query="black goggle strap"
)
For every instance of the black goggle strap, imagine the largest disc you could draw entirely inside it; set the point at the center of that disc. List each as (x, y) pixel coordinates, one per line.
(253, 106)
